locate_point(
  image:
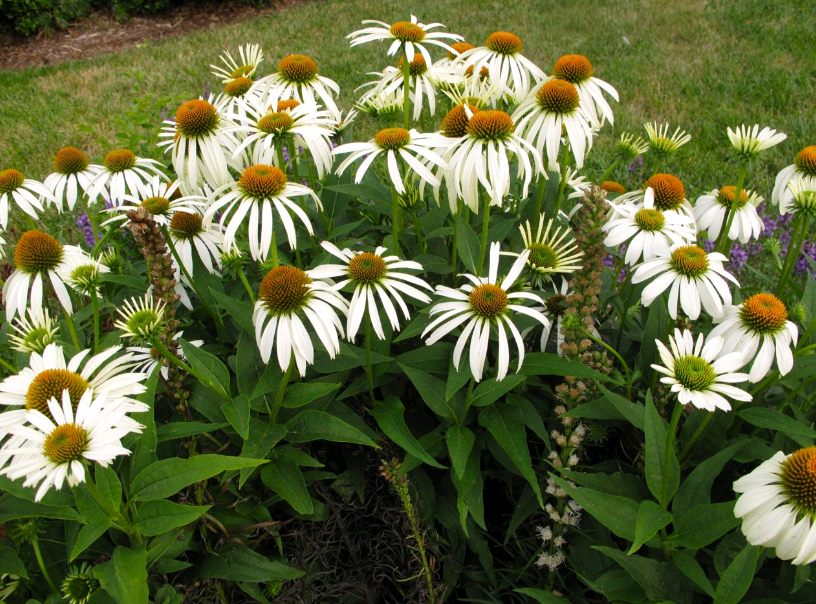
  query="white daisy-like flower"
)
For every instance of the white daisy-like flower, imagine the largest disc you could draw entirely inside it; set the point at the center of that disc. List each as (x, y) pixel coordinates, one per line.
(161, 199)
(748, 142)
(146, 359)
(479, 306)
(543, 117)
(507, 68)
(82, 272)
(778, 507)
(236, 94)
(37, 256)
(710, 212)
(668, 193)
(409, 37)
(297, 78)
(189, 230)
(661, 143)
(260, 190)
(382, 104)
(123, 174)
(694, 276)
(200, 143)
(699, 373)
(550, 251)
(268, 124)
(286, 297)
(34, 333)
(141, 318)
(759, 329)
(577, 70)
(25, 192)
(373, 276)
(53, 447)
(482, 158)
(73, 174)
(802, 196)
(804, 164)
(645, 229)
(250, 55)
(400, 146)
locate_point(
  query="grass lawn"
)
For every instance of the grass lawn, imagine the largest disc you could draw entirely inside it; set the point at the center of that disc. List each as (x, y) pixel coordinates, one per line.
(703, 65)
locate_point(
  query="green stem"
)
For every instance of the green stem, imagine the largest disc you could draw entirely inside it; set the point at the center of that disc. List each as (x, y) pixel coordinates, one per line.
(794, 247)
(406, 84)
(31, 224)
(95, 306)
(687, 447)
(467, 400)
(175, 360)
(72, 330)
(562, 182)
(670, 436)
(540, 196)
(105, 238)
(395, 217)
(369, 367)
(244, 280)
(485, 228)
(281, 160)
(276, 405)
(617, 356)
(455, 249)
(657, 164)
(724, 243)
(8, 366)
(608, 172)
(35, 544)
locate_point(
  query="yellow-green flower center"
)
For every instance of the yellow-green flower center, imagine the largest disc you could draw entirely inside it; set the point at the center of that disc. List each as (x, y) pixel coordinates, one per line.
(196, 118)
(10, 179)
(610, 186)
(145, 323)
(650, 220)
(488, 300)
(405, 31)
(694, 373)
(366, 268)
(558, 96)
(37, 252)
(726, 196)
(573, 68)
(50, 384)
(503, 42)
(763, 314)
(416, 67)
(490, 125)
(392, 138)
(186, 225)
(276, 123)
(669, 192)
(156, 205)
(119, 160)
(284, 290)
(70, 160)
(66, 443)
(262, 182)
(298, 68)
(85, 276)
(459, 48)
(689, 261)
(455, 122)
(241, 72)
(798, 479)
(806, 160)
(542, 256)
(238, 87)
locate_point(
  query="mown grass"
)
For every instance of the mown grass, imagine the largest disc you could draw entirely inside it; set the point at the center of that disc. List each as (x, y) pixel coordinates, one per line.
(703, 65)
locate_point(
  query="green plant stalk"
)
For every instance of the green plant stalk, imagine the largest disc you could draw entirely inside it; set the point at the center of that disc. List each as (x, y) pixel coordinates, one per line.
(687, 447)
(406, 85)
(35, 544)
(395, 217)
(8, 366)
(98, 245)
(95, 306)
(187, 369)
(455, 249)
(670, 436)
(540, 195)
(723, 243)
(794, 247)
(276, 404)
(369, 367)
(562, 182)
(612, 167)
(471, 384)
(617, 356)
(245, 281)
(657, 164)
(72, 330)
(485, 229)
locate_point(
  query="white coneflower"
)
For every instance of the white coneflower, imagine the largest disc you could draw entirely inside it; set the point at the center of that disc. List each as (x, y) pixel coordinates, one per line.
(373, 277)
(141, 318)
(297, 78)
(25, 192)
(550, 251)
(804, 164)
(710, 212)
(161, 199)
(123, 174)
(749, 142)
(189, 231)
(577, 70)
(81, 271)
(760, 330)
(661, 143)
(382, 104)
(36, 257)
(54, 446)
(34, 333)
(543, 117)
(260, 190)
(250, 55)
(778, 507)
(408, 36)
(72, 176)
(699, 373)
(802, 196)
(479, 306)
(694, 277)
(200, 144)
(668, 193)
(286, 297)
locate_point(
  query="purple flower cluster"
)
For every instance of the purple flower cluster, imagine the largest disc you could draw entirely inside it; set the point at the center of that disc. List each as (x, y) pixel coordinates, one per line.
(84, 223)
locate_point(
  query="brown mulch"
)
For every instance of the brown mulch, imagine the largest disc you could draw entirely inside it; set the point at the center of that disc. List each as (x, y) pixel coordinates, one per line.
(101, 33)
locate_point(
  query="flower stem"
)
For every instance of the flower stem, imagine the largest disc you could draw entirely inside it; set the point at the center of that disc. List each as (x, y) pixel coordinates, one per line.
(485, 228)
(687, 447)
(72, 330)
(369, 367)
(95, 306)
(794, 247)
(723, 243)
(244, 280)
(8, 366)
(35, 544)
(670, 436)
(406, 84)
(607, 173)
(276, 405)
(98, 246)
(562, 181)
(395, 217)
(540, 195)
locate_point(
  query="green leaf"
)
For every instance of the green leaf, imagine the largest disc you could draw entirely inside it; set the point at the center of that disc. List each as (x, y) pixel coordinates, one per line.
(460, 441)
(239, 563)
(539, 595)
(506, 427)
(86, 537)
(241, 312)
(11, 564)
(167, 477)
(248, 366)
(650, 519)
(390, 417)
(159, 516)
(696, 488)
(686, 564)
(262, 437)
(661, 487)
(618, 514)
(237, 413)
(12, 508)
(737, 578)
(656, 325)
(704, 524)
(283, 476)
(109, 486)
(209, 368)
(318, 425)
(661, 582)
(545, 363)
(303, 393)
(144, 450)
(467, 244)
(457, 378)
(433, 359)
(492, 390)
(175, 430)
(432, 391)
(763, 417)
(124, 576)
(631, 411)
